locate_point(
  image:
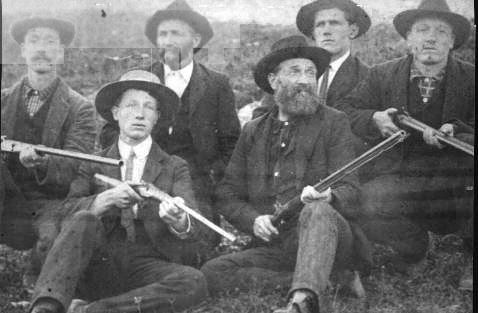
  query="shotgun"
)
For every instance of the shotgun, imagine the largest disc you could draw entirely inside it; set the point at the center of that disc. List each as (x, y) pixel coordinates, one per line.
(289, 209)
(13, 146)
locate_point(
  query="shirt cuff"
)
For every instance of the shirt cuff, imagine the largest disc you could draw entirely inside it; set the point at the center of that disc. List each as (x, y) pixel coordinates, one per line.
(184, 234)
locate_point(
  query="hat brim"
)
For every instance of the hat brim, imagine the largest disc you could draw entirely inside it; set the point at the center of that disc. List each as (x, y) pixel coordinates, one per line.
(320, 57)
(306, 16)
(65, 29)
(107, 96)
(460, 25)
(198, 22)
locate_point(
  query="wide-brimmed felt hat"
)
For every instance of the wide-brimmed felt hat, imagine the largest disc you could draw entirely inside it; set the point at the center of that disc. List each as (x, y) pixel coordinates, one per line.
(434, 8)
(136, 79)
(292, 47)
(179, 10)
(306, 15)
(65, 29)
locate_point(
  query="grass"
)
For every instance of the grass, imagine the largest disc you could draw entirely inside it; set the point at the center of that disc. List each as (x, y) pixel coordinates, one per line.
(432, 290)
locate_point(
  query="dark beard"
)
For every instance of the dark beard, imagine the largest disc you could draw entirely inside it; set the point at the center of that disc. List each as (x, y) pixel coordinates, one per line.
(297, 100)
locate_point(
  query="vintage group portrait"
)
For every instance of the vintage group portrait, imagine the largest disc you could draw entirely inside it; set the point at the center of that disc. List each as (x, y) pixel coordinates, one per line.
(237, 156)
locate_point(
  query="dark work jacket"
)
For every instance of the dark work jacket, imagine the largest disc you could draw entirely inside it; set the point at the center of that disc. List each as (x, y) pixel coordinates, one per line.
(213, 121)
(387, 86)
(168, 173)
(69, 125)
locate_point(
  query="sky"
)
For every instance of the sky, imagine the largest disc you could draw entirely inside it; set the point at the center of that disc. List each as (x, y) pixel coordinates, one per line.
(260, 11)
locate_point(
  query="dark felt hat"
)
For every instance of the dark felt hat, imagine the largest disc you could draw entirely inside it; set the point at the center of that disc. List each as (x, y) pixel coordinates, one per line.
(306, 15)
(434, 8)
(291, 47)
(136, 79)
(65, 29)
(179, 10)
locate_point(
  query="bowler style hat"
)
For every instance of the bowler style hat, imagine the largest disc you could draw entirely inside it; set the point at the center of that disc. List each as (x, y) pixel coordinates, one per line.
(179, 10)
(136, 79)
(434, 8)
(292, 47)
(65, 29)
(306, 15)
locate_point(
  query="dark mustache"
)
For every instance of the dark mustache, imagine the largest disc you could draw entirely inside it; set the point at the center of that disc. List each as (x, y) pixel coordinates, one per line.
(41, 58)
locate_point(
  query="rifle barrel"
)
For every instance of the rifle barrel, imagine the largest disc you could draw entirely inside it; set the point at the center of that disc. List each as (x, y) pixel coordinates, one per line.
(452, 141)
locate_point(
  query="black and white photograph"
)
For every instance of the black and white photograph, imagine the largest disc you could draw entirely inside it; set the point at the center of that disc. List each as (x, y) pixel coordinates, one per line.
(237, 156)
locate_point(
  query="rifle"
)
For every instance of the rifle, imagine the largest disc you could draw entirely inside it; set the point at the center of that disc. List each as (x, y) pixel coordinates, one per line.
(286, 211)
(148, 190)
(406, 120)
(12, 146)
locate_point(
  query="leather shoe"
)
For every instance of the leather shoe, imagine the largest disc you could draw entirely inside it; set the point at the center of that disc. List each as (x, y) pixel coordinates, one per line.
(306, 306)
(77, 306)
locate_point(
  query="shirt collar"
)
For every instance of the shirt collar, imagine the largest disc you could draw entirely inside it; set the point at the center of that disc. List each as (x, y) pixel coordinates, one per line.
(45, 93)
(335, 65)
(415, 72)
(185, 72)
(141, 150)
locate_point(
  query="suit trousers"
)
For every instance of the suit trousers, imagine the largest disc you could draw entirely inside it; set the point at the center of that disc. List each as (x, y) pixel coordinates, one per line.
(112, 274)
(400, 210)
(322, 240)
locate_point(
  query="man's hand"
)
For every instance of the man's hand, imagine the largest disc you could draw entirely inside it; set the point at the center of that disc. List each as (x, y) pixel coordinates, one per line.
(30, 159)
(429, 135)
(173, 215)
(384, 123)
(263, 227)
(310, 194)
(121, 196)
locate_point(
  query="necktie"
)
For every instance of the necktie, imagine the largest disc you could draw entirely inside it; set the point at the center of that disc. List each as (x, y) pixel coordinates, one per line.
(127, 215)
(33, 102)
(323, 86)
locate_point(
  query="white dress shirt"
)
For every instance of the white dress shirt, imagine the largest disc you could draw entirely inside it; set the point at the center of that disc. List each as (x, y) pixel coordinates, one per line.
(334, 67)
(178, 80)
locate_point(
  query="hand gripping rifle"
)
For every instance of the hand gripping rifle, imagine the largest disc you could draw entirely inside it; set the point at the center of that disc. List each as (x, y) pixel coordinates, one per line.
(406, 120)
(148, 190)
(12, 146)
(286, 211)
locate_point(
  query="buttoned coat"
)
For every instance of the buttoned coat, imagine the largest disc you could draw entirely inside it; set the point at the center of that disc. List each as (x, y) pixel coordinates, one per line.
(70, 125)
(387, 87)
(168, 173)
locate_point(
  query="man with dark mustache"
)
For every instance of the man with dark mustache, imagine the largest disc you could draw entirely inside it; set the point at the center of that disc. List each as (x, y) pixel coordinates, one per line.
(204, 127)
(422, 185)
(279, 155)
(40, 109)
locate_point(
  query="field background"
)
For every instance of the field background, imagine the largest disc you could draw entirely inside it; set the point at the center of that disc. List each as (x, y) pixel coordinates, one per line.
(110, 40)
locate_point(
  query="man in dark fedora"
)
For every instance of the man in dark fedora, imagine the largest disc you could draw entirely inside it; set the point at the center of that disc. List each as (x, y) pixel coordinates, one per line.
(114, 246)
(204, 127)
(278, 156)
(40, 109)
(421, 185)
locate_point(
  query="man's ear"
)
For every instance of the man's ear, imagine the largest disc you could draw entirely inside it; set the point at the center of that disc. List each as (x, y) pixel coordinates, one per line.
(196, 39)
(114, 111)
(354, 30)
(272, 78)
(22, 50)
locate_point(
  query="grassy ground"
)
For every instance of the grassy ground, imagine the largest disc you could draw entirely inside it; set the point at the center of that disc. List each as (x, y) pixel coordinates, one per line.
(432, 290)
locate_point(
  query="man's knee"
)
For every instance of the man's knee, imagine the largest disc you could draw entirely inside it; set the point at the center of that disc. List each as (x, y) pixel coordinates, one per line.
(193, 281)
(317, 210)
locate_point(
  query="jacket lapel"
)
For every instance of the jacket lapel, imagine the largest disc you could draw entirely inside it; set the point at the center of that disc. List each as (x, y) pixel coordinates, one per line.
(341, 81)
(112, 171)
(59, 108)
(153, 165)
(399, 89)
(9, 110)
(197, 87)
(454, 91)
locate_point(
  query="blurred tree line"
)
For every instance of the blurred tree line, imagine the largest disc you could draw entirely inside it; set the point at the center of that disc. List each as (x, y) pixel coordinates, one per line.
(109, 45)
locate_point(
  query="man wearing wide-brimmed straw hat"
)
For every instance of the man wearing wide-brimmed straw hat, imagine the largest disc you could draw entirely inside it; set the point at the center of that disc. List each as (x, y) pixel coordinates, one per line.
(421, 186)
(40, 109)
(204, 127)
(113, 246)
(277, 157)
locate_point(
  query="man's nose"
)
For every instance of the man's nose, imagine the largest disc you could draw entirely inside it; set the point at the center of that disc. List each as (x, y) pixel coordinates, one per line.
(139, 113)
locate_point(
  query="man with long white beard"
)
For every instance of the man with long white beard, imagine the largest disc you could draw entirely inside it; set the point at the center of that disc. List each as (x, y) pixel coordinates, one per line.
(278, 156)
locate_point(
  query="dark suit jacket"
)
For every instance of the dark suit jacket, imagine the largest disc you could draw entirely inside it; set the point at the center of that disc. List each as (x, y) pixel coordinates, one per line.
(387, 86)
(322, 145)
(168, 173)
(350, 73)
(70, 125)
(213, 120)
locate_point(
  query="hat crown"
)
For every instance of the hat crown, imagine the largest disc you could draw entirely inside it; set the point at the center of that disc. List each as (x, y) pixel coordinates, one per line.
(289, 42)
(179, 5)
(434, 5)
(140, 75)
